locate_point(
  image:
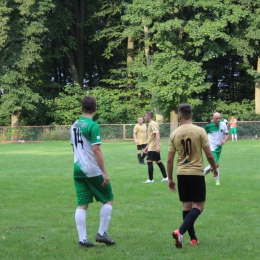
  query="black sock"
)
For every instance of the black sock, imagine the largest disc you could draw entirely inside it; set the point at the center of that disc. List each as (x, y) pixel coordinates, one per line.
(139, 157)
(150, 170)
(191, 230)
(143, 156)
(189, 220)
(162, 168)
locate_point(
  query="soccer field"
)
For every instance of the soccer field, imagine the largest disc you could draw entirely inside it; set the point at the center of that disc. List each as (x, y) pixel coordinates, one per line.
(38, 203)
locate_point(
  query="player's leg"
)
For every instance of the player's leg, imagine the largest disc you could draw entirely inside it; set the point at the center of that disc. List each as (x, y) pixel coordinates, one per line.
(197, 194)
(232, 133)
(235, 133)
(139, 151)
(157, 158)
(191, 230)
(184, 196)
(208, 168)
(104, 195)
(150, 167)
(83, 199)
(191, 189)
(217, 154)
(144, 154)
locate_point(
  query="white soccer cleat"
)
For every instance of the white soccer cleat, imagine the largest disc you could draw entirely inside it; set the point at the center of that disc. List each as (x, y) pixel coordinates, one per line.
(207, 170)
(148, 181)
(164, 179)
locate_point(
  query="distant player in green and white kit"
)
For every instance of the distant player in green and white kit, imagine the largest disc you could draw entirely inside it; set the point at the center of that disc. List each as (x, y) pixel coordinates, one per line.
(90, 176)
(218, 134)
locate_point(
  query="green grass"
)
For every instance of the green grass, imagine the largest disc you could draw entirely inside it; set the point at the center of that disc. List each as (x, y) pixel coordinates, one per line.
(38, 203)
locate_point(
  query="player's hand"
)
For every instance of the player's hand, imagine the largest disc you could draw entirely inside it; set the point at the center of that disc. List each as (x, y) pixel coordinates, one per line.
(136, 141)
(106, 180)
(146, 149)
(171, 185)
(215, 173)
(158, 149)
(223, 142)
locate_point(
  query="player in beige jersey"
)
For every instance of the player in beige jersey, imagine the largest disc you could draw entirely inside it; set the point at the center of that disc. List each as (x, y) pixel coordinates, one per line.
(153, 148)
(140, 137)
(188, 141)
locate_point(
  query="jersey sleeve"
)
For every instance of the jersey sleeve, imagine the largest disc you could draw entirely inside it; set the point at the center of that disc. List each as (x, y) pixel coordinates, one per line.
(95, 137)
(226, 130)
(204, 138)
(155, 128)
(135, 129)
(171, 147)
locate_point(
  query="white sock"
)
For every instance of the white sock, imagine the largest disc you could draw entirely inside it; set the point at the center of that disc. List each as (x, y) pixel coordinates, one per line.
(105, 213)
(207, 169)
(232, 137)
(236, 137)
(217, 178)
(80, 218)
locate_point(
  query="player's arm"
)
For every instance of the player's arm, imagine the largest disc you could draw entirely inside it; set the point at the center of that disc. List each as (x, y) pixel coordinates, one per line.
(226, 137)
(171, 182)
(100, 161)
(157, 136)
(211, 160)
(134, 135)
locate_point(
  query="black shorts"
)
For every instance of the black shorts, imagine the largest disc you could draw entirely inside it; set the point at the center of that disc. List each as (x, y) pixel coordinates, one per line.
(141, 146)
(153, 156)
(191, 188)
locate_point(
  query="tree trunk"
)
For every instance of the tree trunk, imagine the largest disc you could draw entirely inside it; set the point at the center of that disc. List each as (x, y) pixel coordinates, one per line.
(80, 15)
(173, 121)
(159, 116)
(15, 121)
(76, 56)
(129, 59)
(73, 67)
(257, 90)
(147, 48)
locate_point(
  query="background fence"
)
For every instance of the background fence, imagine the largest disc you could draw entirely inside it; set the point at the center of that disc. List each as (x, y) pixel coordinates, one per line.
(115, 132)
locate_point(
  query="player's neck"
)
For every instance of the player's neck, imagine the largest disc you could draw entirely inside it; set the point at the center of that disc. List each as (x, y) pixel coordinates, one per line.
(88, 115)
(186, 122)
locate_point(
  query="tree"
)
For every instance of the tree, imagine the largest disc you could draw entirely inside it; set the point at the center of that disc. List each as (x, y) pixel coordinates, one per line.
(21, 46)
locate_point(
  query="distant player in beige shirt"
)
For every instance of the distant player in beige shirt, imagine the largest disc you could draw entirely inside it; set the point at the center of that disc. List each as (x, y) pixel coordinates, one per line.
(140, 137)
(188, 141)
(153, 148)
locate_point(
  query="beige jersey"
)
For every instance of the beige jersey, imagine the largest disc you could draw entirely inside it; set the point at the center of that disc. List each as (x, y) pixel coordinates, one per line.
(153, 128)
(188, 141)
(141, 133)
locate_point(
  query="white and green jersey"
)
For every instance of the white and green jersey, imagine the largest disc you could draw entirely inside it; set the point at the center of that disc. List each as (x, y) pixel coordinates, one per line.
(216, 133)
(85, 133)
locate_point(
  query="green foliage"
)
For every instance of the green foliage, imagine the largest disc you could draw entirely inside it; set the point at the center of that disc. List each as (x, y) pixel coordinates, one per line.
(184, 51)
(123, 105)
(66, 108)
(20, 53)
(244, 111)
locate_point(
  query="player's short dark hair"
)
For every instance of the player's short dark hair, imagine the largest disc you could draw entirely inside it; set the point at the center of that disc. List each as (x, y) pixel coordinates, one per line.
(89, 104)
(185, 110)
(149, 113)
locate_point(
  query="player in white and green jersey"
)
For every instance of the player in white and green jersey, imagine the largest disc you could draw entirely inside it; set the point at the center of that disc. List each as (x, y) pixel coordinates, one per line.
(218, 134)
(90, 176)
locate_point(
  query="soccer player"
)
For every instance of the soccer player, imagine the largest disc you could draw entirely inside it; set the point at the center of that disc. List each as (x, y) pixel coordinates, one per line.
(188, 141)
(218, 135)
(90, 175)
(233, 128)
(153, 149)
(140, 136)
(224, 120)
